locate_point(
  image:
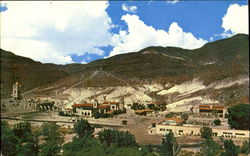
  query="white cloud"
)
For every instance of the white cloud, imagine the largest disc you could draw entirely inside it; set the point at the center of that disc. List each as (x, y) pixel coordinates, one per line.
(140, 35)
(236, 19)
(131, 9)
(52, 31)
(211, 39)
(172, 1)
(83, 62)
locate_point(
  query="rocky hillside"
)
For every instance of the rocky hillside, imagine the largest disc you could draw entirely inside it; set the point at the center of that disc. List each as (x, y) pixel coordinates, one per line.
(218, 72)
(30, 73)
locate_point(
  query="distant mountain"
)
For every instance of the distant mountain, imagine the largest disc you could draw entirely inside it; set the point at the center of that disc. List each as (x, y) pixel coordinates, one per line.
(30, 73)
(218, 72)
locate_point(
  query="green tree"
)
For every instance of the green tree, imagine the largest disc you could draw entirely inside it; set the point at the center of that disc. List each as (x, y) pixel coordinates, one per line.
(206, 132)
(184, 117)
(245, 149)
(29, 140)
(96, 114)
(113, 136)
(30, 147)
(89, 146)
(230, 148)
(83, 128)
(81, 145)
(239, 116)
(170, 115)
(9, 142)
(169, 146)
(53, 139)
(22, 130)
(217, 122)
(209, 148)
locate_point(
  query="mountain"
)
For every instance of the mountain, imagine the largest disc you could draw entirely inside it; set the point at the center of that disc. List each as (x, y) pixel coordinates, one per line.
(218, 72)
(30, 73)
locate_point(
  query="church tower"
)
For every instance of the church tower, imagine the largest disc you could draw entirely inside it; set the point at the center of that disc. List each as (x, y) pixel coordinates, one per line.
(16, 94)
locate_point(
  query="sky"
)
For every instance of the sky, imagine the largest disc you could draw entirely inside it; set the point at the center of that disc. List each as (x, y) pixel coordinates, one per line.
(64, 32)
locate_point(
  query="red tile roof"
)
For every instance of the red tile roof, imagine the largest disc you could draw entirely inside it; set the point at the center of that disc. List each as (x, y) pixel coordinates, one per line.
(211, 108)
(113, 103)
(83, 105)
(218, 106)
(68, 108)
(174, 119)
(102, 106)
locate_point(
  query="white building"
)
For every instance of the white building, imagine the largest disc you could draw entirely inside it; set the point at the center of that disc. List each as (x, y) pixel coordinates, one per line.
(163, 128)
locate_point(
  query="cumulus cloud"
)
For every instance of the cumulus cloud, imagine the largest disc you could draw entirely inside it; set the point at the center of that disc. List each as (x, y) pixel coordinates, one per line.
(235, 20)
(52, 31)
(131, 9)
(140, 35)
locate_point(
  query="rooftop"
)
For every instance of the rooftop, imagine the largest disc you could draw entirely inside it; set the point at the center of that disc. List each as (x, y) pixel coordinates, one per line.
(113, 103)
(211, 108)
(83, 105)
(214, 106)
(67, 108)
(174, 119)
(102, 106)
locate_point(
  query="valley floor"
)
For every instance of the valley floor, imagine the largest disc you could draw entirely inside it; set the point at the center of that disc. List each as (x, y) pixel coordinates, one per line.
(137, 125)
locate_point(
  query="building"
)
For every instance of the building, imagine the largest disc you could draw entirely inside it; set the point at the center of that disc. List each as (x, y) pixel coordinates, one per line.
(172, 121)
(16, 93)
(85, 109)
(114, 106)
(68, 111)
(103, 108)
(178, 130)
(209, 109)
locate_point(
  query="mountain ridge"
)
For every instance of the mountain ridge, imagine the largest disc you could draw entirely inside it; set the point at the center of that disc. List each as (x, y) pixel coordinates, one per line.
(144, 74)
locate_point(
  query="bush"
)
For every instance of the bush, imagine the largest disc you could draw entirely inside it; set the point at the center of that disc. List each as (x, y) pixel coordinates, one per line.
(97, 115)
(170, 115)
(245, 149)
(124, 122)
(217, 122)
(137, 106)
(113, 136)
(230, 148)
(184, 117)
(61, 113)
(83, 128)
(206, 132)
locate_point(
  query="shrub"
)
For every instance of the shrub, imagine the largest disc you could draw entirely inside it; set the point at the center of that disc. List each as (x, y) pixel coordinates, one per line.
(217, 122)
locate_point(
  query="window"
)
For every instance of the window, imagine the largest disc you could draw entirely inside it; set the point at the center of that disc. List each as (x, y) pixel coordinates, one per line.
(180, 131)
(162, 129)
(240, 134)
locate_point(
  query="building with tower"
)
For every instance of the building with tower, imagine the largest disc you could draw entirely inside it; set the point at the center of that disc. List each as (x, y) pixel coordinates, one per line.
(16, 93)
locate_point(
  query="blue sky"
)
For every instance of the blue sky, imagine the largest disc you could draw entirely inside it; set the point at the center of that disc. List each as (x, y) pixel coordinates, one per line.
(94, 30)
